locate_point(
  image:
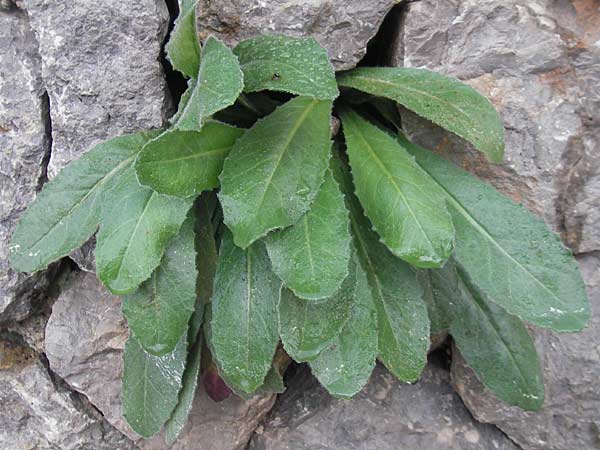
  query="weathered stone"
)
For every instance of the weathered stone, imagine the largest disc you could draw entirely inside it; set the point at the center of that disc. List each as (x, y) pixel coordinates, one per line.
(38, 413)
(24, 144)
(539, 63)
(570, 417)
(386, 415)
(343, 27)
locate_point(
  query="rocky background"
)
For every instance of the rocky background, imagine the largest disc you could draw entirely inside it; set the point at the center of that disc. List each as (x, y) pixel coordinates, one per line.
(75, 73)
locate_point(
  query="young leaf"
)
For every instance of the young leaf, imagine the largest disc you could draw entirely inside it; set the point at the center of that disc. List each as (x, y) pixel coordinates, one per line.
(244, 314)
(281, 63)
(445, 101)
(307, 327)
(159, 311)
(495, 344)
(136, 227)
(398, 196)
(67, 211)
(179, 418)
(183, 48)
(275, 169)
(151, 385)
(219, 82)
(311, 257)
(345, 366)
(402, 321)
(509, 253)
(184, 163)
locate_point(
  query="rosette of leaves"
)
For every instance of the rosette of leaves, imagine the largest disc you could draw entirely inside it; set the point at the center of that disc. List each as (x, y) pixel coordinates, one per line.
(345, 250)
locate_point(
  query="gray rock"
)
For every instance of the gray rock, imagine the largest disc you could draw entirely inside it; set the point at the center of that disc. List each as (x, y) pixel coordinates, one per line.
(539, 63)
(343, 27)
(37, 413)
(570, 417)
(25, 144)
(386, 415)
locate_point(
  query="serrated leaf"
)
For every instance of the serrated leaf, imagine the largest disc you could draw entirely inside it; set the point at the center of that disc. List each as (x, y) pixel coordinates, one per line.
(274, 171)
(244, 331)
(151, 385)
(67, 211)
(445, 101)
(183, 48)
(311, 257)
(180, 414)
(345, 366)
(307, 327)
(398, 197)
(185, 163)
(159, 311)
(495, 344)
(402, 321)
(218, 83)
(136, 226)
(281, 63)
(509, 253)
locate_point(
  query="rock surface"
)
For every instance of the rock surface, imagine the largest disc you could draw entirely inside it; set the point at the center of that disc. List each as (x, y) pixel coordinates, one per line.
(386, 415)
(24, 144)
(343, 27)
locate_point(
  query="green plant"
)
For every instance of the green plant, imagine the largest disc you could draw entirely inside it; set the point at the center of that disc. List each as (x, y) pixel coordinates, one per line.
(346, 251)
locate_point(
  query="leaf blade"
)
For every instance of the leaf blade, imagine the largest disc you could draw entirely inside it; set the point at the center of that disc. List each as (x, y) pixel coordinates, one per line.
(183, 48)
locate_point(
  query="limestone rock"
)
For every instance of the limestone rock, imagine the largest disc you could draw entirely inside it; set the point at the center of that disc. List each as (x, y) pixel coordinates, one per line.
(24, 144)
(343, 27)
(386, 415)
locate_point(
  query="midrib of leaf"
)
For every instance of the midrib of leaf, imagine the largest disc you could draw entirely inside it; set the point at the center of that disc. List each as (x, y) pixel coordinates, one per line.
(308, 247)
(393, 181)
(194, 156)
(286, 145)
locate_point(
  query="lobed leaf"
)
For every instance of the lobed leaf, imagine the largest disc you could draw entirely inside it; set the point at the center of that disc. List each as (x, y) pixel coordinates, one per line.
(185, 163)
(151, 385)
(517, 262)
(311, 257)
(398, 197)
(67, 211)
(243, 327)
(281, 63)
(274, 171)
(445, 101)
(183, 48)
(137, 225)
(159, 311)
(495, 344)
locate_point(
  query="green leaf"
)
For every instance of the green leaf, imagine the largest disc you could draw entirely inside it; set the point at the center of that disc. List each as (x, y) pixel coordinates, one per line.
(136, 227)
(179, 418)
(244, 314)
(311, 257)
(219, 82)
(151, 385)
(274, 171)
(183, 48)
(281, 63)
(495, 344)
(439, 321)
(345, 366)
(184, 163)
(399, 197)
(159, 311)
(67, 211)
(445, 101)
(402, 321)
(509, 253)
(307, 327)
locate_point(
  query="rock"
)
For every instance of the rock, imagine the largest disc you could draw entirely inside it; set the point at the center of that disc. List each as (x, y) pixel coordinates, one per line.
(25, 145)
(386, 415)
(85, 337)
(38, 413)
(539, 63)
(343, 27)
(570, 417)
